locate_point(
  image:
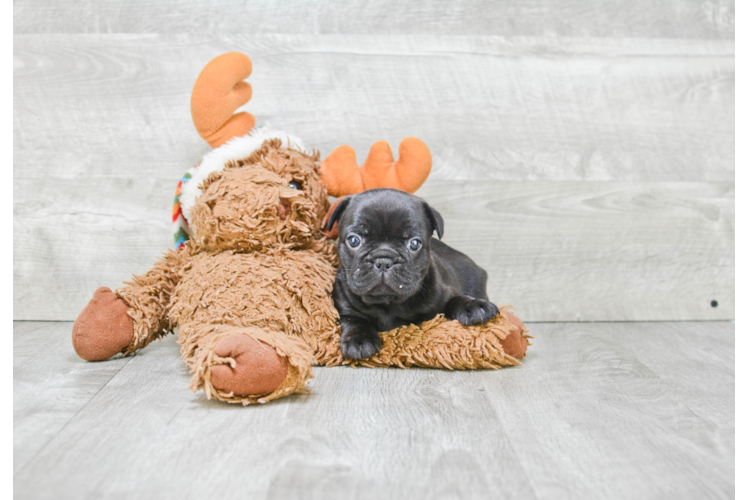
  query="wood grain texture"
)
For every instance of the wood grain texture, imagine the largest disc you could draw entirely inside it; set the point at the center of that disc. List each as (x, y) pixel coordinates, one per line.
(488, 107)
(603, 410)
(558, 251)
(624, 410)
(740, 340)
(597, 251)
(72, 236)
(587, 18)
(102, 132)
(738, 203)
(50, 385)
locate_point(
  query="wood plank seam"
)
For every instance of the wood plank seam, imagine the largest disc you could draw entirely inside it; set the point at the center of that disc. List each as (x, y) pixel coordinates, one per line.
(52, 438)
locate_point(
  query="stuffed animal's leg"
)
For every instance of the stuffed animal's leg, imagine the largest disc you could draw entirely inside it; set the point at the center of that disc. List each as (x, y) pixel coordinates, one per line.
(516, 342)
(103, 328)
(441, 343)
(133, 316)
(245, 365)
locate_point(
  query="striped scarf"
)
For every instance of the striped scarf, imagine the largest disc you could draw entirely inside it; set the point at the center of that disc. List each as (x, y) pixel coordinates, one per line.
(179, 224)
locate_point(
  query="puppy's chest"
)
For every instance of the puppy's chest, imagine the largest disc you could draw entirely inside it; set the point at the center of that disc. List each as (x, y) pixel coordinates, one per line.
(394, 316)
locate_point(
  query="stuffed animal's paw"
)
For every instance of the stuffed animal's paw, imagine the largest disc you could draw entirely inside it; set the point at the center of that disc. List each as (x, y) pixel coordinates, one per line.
(103, 328)
(515, 344)
(257, 369)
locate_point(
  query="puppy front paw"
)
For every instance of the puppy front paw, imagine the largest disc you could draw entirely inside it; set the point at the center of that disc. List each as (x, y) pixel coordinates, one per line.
(360, 345)
(358, 338)
(469, 311)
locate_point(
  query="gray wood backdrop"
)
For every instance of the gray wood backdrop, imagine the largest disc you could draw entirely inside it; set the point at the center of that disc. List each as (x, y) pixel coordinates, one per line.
(583, 150)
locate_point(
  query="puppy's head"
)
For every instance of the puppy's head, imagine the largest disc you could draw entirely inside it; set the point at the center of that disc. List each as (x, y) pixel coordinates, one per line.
(385, 242)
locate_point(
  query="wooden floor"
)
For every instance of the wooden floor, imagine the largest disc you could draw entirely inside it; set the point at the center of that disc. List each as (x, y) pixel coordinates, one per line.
(598, 410)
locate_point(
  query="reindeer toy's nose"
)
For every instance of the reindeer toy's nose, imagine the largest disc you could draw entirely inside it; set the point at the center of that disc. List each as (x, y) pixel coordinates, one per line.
(284, 208)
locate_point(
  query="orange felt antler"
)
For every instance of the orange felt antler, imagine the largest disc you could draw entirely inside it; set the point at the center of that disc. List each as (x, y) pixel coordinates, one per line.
(219, 90)
(342, 176)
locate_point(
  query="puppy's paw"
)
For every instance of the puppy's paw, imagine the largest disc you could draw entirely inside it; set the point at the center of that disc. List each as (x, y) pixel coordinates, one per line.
(360, 345)
(469, 311)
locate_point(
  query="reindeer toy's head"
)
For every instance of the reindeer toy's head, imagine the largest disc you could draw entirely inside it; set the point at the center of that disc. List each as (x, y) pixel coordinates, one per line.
(271, 198)
(259, 188)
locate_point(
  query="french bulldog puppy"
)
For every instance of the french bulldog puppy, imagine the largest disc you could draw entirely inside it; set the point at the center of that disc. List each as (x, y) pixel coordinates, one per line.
(392, 273)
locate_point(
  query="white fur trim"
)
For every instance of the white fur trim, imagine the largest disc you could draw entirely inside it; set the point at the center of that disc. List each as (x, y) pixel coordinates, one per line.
(235, 149)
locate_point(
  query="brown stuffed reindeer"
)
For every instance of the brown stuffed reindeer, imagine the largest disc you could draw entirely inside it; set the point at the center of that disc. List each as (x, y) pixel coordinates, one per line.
(250, 292)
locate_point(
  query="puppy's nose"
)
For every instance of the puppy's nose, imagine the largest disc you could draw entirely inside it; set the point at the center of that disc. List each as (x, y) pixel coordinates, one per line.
(383, 263)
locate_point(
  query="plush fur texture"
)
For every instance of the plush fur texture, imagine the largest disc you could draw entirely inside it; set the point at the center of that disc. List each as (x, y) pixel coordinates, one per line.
(441, 343)
(256, 282)
(216, 160)
(258, 267)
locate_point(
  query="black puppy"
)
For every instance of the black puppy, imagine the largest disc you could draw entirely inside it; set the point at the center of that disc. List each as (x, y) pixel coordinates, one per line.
(392, 273)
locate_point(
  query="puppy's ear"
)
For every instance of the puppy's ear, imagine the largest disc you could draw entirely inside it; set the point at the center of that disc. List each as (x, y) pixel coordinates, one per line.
(437, 223)
(337, 211)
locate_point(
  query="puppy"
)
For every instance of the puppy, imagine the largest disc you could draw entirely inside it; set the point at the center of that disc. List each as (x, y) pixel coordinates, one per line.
(392, 273)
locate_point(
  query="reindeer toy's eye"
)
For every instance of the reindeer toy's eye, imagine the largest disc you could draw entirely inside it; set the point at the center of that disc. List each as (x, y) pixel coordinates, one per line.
(295, 185)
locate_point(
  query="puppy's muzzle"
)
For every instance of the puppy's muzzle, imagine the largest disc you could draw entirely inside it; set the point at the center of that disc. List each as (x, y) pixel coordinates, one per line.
(383, 259)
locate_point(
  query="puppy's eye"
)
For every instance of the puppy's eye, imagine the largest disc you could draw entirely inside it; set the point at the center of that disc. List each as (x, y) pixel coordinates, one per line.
(353, 241)
(295, 185)
(414, 244)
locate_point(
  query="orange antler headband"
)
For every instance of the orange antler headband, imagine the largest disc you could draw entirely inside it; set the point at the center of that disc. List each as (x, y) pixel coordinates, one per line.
(220, 89)
(342, 175)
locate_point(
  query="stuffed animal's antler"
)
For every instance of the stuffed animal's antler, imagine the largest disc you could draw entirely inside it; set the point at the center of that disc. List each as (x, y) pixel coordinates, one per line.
(219, 90)
(342, 176)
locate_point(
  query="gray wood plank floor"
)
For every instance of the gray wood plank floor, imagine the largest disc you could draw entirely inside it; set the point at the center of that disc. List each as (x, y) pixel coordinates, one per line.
(598, 410)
